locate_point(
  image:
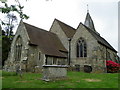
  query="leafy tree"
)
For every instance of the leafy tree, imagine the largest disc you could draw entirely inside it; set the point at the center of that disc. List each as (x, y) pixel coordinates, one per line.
(6, 9)
(10, 24)
(6, 42)
(7, 33)
(13, 8)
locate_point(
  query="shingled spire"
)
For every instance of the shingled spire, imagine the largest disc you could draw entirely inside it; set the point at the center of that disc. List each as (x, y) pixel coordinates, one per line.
(89, 22)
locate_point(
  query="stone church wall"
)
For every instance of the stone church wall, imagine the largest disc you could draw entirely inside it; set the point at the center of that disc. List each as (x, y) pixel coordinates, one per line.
(58, 30)
(10, 64)
(58, 61)
(29, 55)
(35, 59)
(32, 58)
(93, 55)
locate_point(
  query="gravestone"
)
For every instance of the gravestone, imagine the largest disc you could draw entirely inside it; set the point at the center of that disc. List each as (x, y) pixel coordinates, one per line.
(87, 68)
(53, 72)
(77, 67)
(18, 70)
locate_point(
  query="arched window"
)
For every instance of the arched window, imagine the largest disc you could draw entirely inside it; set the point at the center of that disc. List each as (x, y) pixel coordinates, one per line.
(18, 49)
(81, 48)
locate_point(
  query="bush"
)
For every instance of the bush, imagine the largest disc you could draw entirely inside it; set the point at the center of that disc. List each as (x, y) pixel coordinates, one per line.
(112, 67)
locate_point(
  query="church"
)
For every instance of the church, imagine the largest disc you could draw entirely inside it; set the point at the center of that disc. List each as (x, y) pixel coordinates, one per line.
(33, 47)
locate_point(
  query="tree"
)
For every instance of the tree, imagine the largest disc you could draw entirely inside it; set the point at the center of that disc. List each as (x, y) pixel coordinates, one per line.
(6, 9)
(13, 8)
(7, 33)
(6, 42)
(10, 24)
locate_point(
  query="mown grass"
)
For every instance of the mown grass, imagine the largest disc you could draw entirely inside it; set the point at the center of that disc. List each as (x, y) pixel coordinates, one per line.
(0, 80)
(74, 80)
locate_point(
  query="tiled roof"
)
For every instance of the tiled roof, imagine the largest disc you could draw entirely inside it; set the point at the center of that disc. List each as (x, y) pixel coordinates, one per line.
(100, 39)
(69, 31)
(48, 42)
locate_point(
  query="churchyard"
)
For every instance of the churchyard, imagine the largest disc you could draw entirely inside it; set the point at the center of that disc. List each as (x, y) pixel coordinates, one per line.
(73, 80)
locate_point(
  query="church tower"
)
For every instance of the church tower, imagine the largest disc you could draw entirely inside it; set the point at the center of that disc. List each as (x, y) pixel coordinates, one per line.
(89, 22)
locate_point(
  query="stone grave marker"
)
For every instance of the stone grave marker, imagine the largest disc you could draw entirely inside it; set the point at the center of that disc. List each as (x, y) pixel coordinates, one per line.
(53, 72)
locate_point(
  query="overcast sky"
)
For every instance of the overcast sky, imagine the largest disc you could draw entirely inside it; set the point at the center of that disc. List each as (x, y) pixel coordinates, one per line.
(103, 12)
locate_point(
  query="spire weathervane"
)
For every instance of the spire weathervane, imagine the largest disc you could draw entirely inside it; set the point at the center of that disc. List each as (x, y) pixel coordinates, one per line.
(87, 9)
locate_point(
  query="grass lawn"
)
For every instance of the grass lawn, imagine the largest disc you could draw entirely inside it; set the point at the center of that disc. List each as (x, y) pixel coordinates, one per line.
(74, 80)
(0, 79)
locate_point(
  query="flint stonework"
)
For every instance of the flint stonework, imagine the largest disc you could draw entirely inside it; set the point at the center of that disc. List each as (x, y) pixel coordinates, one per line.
(33, 47)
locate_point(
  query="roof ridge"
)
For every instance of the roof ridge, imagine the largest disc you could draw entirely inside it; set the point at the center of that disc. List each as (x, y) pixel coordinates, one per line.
(105, 41)
(35, 27)
(67, 29)
(91, 30)
(45, 40)
(65, 23)
(39, 28)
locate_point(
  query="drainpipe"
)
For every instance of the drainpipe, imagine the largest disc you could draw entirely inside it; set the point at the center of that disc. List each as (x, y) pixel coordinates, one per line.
(69, 53)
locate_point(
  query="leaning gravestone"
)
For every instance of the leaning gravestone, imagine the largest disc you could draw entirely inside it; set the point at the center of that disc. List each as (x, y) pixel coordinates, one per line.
(18, 70)
(53, 72)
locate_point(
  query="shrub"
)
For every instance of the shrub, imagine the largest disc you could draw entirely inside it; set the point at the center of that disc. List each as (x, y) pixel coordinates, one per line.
(112, 67)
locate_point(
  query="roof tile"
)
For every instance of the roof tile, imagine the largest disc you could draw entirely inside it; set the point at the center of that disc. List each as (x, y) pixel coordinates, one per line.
(48, 42)
(69, 31)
